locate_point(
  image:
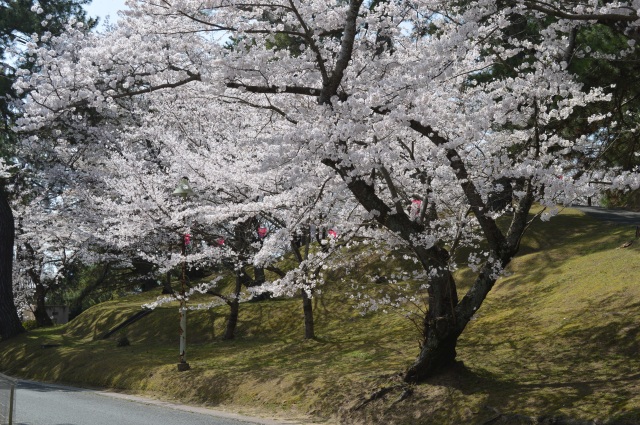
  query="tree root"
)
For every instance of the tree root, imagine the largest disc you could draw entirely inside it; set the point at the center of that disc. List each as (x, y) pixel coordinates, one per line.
(381, 392)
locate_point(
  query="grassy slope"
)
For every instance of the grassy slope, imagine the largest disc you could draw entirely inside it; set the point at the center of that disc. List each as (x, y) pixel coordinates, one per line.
(560, 336)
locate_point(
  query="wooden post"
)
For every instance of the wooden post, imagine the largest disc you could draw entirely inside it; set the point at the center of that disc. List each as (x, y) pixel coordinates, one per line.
(12, 401)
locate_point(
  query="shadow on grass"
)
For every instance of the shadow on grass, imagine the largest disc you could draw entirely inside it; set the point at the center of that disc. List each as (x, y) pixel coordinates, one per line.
(569, 236)
(529, 352)
(515, 402)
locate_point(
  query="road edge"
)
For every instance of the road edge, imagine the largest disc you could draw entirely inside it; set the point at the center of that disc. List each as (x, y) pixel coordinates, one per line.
(171, 405)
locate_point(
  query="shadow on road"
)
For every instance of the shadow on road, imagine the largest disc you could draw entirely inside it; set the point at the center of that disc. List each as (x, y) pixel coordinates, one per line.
(35, 386)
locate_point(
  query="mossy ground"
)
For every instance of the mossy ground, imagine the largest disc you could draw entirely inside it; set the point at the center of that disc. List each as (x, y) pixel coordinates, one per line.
(560, 336)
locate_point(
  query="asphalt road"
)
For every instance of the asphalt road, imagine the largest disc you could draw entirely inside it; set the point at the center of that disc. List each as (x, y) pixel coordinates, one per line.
(612, 215)
(43, 404)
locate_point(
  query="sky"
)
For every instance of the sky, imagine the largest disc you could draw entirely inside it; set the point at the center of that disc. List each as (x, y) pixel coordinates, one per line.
(102, 8)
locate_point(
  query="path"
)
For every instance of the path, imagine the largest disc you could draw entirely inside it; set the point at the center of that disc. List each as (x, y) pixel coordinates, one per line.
(612, 215)
(46, 404)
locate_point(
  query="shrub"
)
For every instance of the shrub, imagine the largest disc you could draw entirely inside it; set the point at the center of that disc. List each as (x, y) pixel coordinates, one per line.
(29, 325)
(123, 341)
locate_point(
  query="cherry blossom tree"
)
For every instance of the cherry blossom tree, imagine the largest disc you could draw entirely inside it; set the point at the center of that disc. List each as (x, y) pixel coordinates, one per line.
(402, 109)
(21, 22)
(53, 237)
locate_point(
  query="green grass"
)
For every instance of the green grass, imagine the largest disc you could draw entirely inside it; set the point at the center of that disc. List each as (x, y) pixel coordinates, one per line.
(559, 336)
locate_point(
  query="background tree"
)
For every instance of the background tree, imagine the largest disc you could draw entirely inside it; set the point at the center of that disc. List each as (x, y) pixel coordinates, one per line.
(602, 54)
(9, 322)
(21, 22)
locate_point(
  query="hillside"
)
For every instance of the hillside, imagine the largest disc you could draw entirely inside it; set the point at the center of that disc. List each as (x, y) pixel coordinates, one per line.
(558, 337)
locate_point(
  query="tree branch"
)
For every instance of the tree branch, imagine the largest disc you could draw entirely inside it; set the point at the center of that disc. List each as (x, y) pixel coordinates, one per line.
(308, 91)
(330, 85)
(605, 17)
(392, 189)
(492, 232)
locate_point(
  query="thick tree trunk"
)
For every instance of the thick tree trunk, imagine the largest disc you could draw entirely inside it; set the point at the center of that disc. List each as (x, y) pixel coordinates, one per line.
(10, 325)
(307, 307)
(441, 330)
(40, 312)
(447, 318)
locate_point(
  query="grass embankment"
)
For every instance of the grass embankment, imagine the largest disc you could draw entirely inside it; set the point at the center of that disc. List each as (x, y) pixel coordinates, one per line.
(558, 337)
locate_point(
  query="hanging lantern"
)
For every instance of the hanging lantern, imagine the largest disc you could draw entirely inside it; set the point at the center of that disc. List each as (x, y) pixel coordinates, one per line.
(220, 241)
(187, 239)
(183, 189)
(262, 232)
(333, 233)
(416, 205)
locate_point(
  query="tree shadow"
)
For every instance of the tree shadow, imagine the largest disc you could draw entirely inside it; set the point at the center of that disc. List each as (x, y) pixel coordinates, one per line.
(542, 401)
(44, 388)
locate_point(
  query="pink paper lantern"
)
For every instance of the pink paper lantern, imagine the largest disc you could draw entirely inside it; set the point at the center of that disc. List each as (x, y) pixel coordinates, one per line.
(262, 232)
(416, 205)
(187, 239)
(333, 233)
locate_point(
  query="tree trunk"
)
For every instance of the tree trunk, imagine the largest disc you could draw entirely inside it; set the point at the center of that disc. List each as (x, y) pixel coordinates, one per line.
(447, 318)
(259, 279)
(10, 325)
(232, 320)
(307, 307)
(234, 309)
(441, 330)
(40, 312)
(166, 286)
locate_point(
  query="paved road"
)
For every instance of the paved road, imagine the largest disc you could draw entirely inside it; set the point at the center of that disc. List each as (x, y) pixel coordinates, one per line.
(42, 404)
(612, 215)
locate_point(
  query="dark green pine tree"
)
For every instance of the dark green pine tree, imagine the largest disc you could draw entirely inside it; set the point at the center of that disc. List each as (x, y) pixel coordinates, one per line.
(616, 142)
(18, 22)
(604, 54)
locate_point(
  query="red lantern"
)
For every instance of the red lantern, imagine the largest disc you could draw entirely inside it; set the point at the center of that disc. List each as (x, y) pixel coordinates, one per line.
(187, 239)
(262, 232)
(220, 241)
(416, 205)
(333, 233)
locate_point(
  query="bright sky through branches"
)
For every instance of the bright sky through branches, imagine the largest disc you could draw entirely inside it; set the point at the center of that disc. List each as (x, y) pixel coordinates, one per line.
(104, 8)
